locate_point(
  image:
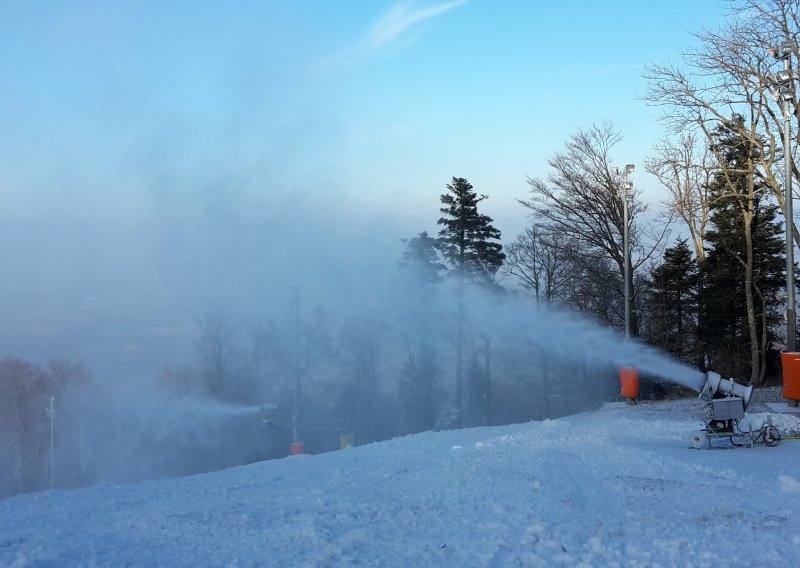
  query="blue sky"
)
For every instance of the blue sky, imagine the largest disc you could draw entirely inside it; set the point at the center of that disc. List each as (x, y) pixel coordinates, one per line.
(380, 101)
(150, 147)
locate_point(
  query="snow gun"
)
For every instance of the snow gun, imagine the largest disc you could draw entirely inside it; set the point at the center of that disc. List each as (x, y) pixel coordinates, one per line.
(726, 402)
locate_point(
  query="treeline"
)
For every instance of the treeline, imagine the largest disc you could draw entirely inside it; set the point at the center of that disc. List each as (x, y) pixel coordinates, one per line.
(446, 347)
(717, 307)
(308, 375)
(717, 298)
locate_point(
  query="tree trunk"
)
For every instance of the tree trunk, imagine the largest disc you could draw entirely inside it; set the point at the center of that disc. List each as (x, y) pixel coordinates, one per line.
(488, 394)
(460, 346)
(763, 339)
(748, 292)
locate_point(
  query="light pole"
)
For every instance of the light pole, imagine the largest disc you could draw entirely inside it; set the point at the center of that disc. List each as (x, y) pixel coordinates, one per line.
(51, 413)
(625, 190)
(784, 92)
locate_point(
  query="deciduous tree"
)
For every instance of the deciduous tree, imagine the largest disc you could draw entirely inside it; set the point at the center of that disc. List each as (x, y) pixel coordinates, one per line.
(580, 202)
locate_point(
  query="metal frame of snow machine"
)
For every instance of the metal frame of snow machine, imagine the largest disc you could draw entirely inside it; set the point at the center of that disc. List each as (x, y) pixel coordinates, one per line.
(726, 403)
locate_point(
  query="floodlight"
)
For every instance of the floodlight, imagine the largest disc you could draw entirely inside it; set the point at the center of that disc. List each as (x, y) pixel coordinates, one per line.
(629, 168)
(784, 50)
(783, 77)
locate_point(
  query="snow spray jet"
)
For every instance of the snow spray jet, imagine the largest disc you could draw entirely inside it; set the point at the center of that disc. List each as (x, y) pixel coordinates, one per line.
(657, 363)
(609, 346)
(567, 336)
(140, 431)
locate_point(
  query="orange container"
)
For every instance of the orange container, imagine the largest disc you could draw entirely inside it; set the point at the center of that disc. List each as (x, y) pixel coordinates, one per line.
(791, 375)
(297, 448)
(629, 379)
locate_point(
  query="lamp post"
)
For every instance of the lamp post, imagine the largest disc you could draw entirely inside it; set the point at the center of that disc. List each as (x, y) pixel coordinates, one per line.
(51, 413)
(626, 189)
(784, 91)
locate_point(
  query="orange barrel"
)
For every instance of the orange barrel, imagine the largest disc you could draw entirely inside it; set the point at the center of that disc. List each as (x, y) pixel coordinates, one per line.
(791, 375)
(629, 379)
(297, 448)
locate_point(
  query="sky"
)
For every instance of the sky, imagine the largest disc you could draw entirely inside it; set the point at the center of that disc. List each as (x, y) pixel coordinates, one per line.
(150, 148)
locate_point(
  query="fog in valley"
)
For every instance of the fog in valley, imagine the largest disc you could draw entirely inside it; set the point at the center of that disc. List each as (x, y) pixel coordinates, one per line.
(185, 330)
(204, 262)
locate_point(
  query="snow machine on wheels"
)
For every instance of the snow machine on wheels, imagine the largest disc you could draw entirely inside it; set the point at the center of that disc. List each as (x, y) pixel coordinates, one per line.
(726, 403)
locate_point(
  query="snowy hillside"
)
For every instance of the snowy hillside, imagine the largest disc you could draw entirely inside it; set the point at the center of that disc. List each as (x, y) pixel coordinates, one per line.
(617, 487)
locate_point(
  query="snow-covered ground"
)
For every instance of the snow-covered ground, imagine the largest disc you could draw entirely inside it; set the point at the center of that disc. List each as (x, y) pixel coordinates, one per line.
(616, 487)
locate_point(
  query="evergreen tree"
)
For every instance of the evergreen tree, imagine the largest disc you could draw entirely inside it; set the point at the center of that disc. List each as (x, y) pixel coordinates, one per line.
(466, 239)
(421, 257)
(744, 270)
(672, 291)
(418, 378)
(465, 242)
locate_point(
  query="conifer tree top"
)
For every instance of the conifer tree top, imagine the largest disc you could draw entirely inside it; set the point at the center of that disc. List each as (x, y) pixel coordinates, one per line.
(466, 238)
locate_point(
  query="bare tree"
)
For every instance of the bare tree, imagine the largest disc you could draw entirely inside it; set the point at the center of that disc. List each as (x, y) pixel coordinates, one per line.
(362, 342)
(684, 167)
(418, 385)
(580, 201)
(539, 259)
(266, 372)
(731, 74)
(305, 347)
(215, 347)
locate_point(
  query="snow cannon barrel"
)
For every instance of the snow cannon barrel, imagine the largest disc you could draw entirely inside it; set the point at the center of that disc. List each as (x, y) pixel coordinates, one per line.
(267, 413)
(629, 380)
(791, 377)
(727, 400)
(716, 387)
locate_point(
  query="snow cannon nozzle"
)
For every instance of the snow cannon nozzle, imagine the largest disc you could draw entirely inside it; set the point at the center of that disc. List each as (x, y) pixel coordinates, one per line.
(267, 413)
(716, 388)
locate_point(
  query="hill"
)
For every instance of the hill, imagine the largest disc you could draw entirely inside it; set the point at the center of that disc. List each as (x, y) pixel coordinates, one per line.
(617, 487)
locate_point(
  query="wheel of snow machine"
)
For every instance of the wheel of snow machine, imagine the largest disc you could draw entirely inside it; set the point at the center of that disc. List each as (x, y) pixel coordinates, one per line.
(699, 440)
(772, 436)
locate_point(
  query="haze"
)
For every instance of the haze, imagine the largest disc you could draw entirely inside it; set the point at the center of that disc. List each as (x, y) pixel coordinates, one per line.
(164, 161)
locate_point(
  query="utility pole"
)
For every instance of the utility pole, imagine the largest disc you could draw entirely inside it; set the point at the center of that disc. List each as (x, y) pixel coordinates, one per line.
(783, 89)
(791, 315)
(296, 314)
(625, 190)
(51, 413)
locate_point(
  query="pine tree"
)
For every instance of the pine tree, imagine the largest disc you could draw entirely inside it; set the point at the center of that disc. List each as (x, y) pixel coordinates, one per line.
(421, 257)
(466, 239)
(743, 272)
(417, 383)
(466, 245)
(672, 291)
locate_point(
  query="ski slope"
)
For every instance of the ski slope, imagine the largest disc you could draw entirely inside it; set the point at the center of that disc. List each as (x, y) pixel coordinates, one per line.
(616, 487)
